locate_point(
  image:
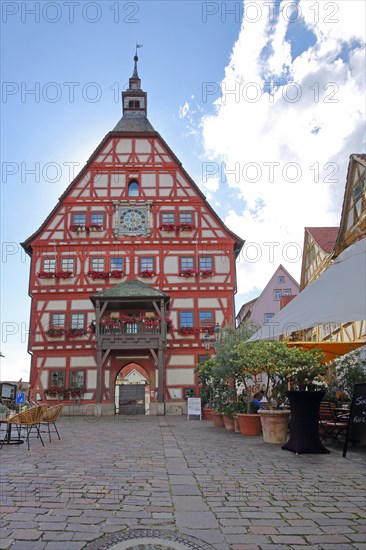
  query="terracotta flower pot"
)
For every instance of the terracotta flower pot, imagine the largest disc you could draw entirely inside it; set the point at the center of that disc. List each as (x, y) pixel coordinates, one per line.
(207, 414)
(229, 423)
(218, 420)
(249, 424)
(236, 424)
(274, 426)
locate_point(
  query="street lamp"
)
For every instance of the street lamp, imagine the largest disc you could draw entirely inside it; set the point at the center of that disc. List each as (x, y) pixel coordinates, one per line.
(207, 342)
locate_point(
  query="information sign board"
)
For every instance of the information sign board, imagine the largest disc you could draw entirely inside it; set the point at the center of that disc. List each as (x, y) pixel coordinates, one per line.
(194, 407)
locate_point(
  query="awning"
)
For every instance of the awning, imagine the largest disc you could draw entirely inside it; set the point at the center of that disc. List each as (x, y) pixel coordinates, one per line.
(337, 296)
(330, 349)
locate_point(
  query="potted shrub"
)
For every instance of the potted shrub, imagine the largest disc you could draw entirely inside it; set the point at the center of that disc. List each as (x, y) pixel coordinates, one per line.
(284, 367)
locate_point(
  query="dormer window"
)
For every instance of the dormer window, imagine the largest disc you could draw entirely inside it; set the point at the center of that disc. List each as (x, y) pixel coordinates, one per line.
(133, 188)
(133, 104)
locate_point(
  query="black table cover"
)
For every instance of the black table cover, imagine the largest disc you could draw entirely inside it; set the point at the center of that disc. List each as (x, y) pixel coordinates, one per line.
(304, 431)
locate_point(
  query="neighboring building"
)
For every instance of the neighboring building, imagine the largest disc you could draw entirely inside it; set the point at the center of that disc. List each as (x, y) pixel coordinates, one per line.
(261, 310)
(323, 244)
(317, 252)
(131, 247)
(353, 216)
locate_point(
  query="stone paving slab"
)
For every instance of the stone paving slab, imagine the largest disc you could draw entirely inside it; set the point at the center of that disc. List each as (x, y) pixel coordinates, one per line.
(231, 492)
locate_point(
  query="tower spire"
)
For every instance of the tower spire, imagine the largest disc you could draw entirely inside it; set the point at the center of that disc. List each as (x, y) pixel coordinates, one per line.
(134, 100)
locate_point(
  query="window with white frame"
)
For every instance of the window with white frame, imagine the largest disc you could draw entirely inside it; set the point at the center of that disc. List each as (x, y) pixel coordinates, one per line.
(67, 264)
(97, 218)
(187, 263)
(146, 264)
(287, 292)
(57, 378)
(185, 217)
(167, 217)
(116, 264)
(49, 265)
(206, 262)
(58, 319)
(277, 294)
(186, 319)
(133, 188)
(206, 318)
(77, 320)
(97, 264)
(79, 219)
(77, 379)
(268, 316)
(281, 279)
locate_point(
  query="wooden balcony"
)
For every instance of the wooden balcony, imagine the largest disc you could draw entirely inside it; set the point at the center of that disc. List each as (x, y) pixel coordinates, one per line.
(118, 335)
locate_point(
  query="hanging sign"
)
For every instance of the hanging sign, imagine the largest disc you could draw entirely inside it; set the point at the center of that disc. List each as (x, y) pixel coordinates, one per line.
(194, 407)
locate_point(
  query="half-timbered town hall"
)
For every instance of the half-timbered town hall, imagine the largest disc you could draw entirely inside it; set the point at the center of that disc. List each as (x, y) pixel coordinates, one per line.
(130, 273)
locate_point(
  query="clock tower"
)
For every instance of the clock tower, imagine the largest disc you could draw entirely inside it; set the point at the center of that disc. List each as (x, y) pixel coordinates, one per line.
(132, 275)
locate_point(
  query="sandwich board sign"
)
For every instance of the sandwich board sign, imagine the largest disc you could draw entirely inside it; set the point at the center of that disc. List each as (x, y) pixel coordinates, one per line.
(356, 431)
(194, 407)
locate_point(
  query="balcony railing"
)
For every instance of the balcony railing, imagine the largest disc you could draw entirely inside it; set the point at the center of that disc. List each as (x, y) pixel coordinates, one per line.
(129, 329)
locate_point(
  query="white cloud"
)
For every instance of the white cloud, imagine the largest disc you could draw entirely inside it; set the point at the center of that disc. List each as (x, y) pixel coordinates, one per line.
(309, 139)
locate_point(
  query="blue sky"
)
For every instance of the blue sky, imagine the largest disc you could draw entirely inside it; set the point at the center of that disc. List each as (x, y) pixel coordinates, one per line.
(79, 57)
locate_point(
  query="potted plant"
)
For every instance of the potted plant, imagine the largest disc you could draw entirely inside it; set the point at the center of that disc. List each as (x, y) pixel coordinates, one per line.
(284, 367)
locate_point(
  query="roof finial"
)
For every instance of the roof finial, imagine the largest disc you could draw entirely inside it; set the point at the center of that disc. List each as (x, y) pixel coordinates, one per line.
(135, 74)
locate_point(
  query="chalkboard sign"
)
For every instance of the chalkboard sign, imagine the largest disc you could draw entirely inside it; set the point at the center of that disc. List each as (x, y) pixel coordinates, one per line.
(356, 431)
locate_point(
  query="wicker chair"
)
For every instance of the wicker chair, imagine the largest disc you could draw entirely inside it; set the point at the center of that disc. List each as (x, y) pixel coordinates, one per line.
(49, 417)
(28, 420)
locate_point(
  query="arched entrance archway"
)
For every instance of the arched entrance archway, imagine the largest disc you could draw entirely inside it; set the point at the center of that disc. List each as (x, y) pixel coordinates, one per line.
(132, 390)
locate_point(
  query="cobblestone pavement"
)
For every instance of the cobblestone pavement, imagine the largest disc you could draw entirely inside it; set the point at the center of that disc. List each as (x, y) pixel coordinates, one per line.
(166, 473)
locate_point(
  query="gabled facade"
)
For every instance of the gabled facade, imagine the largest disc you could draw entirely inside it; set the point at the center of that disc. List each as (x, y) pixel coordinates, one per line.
(128, 272)
(262, 309)
(317, 252)
(323, 244)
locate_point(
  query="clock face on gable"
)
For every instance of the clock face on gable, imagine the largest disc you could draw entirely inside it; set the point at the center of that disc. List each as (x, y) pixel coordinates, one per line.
(132, 220)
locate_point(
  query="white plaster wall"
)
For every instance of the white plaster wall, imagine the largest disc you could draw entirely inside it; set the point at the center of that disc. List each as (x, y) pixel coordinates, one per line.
(106, 378)
(182, 360)
(91, 379)
(142, 146)
(166, 180)
(171, 264)
(124, 146)
(184, 303)
(44, 379)
(180, 377)
(148, 180)
(83, 361)
(100, 180)
(55, 362)
(81, 304)
(56, 305)
(208, 303)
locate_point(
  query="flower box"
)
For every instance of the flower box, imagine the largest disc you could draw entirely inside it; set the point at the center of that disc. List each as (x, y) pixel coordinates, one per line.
(75, 333)
(98, 274)
(116, 274)
(56, 332)
(170, 227)
(46, 274)
(147, 274)
(187, 273)
(77, 228)
(185, 227)
(94, 227)
(206, 273)
(63, 274)
(188, 331)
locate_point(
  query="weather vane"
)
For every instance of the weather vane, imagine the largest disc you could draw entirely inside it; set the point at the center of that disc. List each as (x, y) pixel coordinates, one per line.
(138, 46)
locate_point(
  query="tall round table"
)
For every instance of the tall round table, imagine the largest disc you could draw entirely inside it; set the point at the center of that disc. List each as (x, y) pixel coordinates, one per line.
(304, 430)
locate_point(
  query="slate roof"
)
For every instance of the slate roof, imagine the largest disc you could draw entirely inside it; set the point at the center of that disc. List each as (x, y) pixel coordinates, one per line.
(133, 122)
(131, 289)
(325, 237)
